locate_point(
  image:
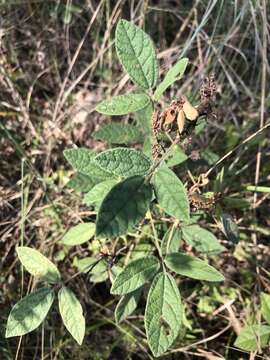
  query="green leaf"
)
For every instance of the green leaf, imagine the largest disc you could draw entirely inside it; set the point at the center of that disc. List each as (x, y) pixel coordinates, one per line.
(143, 118)
(265, 306)
(171, 241)
(175, 73)
(117, 133)
(72, 314)
(192, 267)
(209, 156)
(98, 193)
(163, 313)
(123, 162)
(123, 104)
(253, 335)
(37, 264)
(126, 305)
(136, 53)
(176, 157)
(202, 240)
(79, 234)
(81, 182)
(86, 264)
(123, 207)
(82, 161)
(29, 312)
(135, 275)
(79, 158)
(230, 228)
(171, 194)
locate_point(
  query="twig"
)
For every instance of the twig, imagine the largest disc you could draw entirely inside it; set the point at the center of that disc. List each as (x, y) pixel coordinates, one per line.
(266, 126)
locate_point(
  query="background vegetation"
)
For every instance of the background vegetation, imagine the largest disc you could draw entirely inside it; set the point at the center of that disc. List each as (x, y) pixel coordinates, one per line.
(57, 60)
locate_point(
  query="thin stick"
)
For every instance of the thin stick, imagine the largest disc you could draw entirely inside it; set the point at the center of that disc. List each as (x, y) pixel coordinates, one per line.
(266, 126)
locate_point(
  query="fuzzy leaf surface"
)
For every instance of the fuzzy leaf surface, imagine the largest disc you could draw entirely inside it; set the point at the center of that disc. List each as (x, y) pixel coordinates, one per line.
(117, 133)
(37, 264)
(81, 182)
(136, 53)
(96, 195)
(81, 160)
(123, 162)
(175, 73)
(192, 267)
(163, 313)
(123, 104)
(126, 305)
(29, 312)
(251, 336)
(171, 194)
(123, 207)
(71, 313)
(135, 275)
(79, 234)
(171, 241)
(202, 240)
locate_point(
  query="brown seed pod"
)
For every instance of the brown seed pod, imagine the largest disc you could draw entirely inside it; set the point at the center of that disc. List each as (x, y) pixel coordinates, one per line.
(190, 111)
(181, 120)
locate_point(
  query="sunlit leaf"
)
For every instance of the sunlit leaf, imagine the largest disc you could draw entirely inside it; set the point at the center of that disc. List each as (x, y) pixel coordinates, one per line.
(71, 313)
(202, 240)
(192, 267)
(79, 234)
(126, 305)
(116, 133)
(29, 312)
(171, 194)
(135, 274)
(136, 53)
(123, 162)
(37, 264)
(163, 313)
(251, 336)
(123, 104)
(96, 195)
(175, 73)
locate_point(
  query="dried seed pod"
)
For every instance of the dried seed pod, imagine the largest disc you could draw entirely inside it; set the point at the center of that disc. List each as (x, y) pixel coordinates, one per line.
(181, 119)
(190, 111)
(169, 116)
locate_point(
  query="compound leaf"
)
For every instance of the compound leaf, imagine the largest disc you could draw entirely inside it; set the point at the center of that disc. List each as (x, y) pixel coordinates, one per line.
(136, 53)
(171, 194)
(79, 234)
(126, 305)
(72, 314)
(123, 207)
(123, 104)
(29, 312)
(123, 162)
(192, 267)
(135, 275)
(37, 264)
(175, 73)
(163, 313)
